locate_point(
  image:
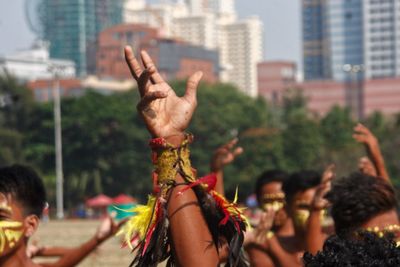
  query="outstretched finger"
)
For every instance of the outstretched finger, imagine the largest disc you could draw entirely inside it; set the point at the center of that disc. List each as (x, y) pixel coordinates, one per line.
(133, 64)
(148, 63)
(231, 143)
(237, 151)
(328, 173)
(360, 138)
(144, 79)
(150, 97)
(191, 87)
(362, 129)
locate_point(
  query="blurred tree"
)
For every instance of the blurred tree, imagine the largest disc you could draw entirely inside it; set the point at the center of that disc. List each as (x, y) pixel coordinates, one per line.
(105, 143)
(302, 140)
(16, 106)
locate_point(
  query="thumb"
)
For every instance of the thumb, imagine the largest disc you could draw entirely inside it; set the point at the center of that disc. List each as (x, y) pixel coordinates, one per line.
(191, 86)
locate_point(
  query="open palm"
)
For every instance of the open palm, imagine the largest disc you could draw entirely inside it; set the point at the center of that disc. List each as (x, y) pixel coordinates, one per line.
(164, 113)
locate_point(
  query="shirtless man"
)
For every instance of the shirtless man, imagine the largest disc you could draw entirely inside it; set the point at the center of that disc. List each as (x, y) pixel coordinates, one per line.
(274, 220)
(22, 200)
(299, 191)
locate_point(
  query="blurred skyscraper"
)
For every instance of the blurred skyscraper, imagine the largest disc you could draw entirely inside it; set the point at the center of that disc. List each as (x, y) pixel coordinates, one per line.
(71, 27)
(339, 34)
(381, 35)
(313, 52)
(332, 37)
(241, 49)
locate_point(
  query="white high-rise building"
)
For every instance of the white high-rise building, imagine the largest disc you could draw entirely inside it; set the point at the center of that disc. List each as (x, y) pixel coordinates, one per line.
(241, 48)
(159, 15)
(197, 7)
(134, 4)
(381, 38)
(35, 64)
(198, 30)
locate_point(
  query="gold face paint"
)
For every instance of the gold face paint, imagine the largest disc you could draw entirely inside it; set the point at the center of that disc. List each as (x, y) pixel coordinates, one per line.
(10, 234)
(300, 218)
(274, 201)
(275, 205)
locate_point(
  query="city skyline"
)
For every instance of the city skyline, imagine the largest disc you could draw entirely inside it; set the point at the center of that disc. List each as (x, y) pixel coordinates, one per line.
(282, 36)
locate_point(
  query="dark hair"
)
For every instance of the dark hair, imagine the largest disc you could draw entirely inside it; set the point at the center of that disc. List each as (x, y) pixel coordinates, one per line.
(299, 182)
(358, 198)
(269, 177)
(365, 250)
(25, 187)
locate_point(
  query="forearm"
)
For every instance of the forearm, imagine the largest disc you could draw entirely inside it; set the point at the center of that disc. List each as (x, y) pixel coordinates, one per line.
(278, 254)
(315, 237)
(375, 154)
(191, 238)
(219, 187)
(52, 252)
(73, 256)
(192, 241)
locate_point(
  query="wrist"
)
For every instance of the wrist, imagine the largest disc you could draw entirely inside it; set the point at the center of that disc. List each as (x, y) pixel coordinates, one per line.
(171, 156)
(215, 167)
(175, 140)
(97, 239)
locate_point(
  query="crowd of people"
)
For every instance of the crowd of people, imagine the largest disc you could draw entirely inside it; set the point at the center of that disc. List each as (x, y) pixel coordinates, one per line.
(308, 218)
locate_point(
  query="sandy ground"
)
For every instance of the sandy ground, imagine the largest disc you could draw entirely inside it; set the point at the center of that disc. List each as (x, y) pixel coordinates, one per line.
(71, 233)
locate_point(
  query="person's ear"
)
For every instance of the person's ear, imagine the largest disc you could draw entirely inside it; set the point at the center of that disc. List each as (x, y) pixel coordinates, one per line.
(31, 223)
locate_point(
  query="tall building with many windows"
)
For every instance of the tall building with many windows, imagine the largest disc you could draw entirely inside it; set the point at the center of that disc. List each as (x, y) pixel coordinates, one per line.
(332, 37)
(71, 27)
(313, 52)
(382, 38)
(241, 49)
(343, 37)
(338, 34)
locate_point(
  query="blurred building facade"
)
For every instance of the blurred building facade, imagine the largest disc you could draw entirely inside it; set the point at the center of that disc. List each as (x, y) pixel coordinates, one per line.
(313, 50)
(241, 48)
(212, 24)
(71, 27)
(75, 87)
(175, 59)
(381, 36)
(273, 77)
(34, 64)
(362, 98)
(341, 33)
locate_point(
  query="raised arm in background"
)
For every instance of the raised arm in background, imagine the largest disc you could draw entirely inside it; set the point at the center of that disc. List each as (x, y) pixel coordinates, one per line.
(363, 135)
(223, 156)
(315, 237)
(72, 256)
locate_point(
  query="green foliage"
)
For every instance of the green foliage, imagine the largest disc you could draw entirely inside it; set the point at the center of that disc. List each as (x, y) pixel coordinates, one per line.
(105, 142)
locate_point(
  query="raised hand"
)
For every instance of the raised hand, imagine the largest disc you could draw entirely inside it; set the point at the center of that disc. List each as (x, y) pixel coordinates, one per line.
(319, 201)
(108, 228)
(225, 155)
(366, 166)
(260, 234)
(363, 135)
(164, 113)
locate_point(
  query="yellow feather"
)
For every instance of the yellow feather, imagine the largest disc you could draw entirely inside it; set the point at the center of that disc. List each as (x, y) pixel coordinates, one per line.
(140, 222)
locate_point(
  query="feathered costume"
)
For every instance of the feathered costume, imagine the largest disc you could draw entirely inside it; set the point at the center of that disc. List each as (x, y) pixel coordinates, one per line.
(149, 227)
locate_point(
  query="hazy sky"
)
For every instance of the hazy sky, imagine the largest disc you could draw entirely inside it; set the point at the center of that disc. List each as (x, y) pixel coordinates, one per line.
(282, 24)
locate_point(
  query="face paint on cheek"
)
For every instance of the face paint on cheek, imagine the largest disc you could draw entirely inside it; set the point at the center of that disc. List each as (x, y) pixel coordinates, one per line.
(301, 217)
(275, 205)
(10, 233)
